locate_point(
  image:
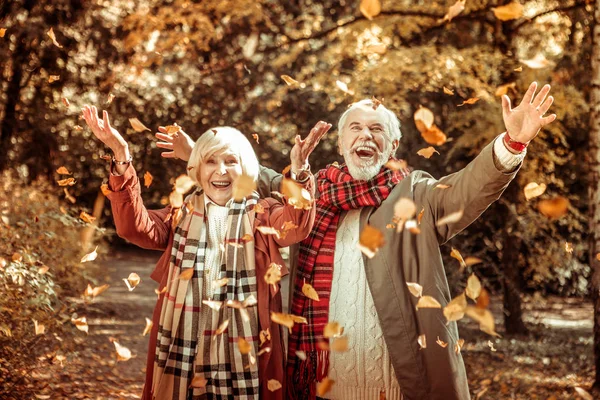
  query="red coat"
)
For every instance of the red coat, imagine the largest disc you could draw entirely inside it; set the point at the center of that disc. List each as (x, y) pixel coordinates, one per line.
(148, 229)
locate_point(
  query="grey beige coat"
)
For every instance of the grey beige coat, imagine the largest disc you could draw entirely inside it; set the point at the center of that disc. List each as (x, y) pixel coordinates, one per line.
(434, 373)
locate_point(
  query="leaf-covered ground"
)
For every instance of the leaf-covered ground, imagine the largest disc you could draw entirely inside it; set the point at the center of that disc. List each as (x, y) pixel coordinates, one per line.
(547, 365)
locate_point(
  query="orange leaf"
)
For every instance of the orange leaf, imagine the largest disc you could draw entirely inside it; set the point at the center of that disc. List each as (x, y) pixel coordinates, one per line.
(427, 152)
(255, 137)
(63, 171)
(441, 342)
(454, 10)
(273, 274)
(472, 100)
(53, 78)
(148, 179)
(289, 80)
(81, 324)
(532, 189)
(509, 11)
(423, 119)
(187, 274)
(110, 99)
(222, 328)
(325, 385)
(87, 217)
(310, 292)
(273, 385)
(370, 8)
(455, 310)
(66, 182)
(2, 32)
(434, 136)
(554, 208)
(447, 91)
(52, 36)
(371, 239)
(244, 346)
(396, 165)
(243, 186)
(132, 281)
(198, 381)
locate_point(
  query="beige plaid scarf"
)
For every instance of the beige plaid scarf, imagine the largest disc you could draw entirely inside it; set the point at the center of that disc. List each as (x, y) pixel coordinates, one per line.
(187, 346)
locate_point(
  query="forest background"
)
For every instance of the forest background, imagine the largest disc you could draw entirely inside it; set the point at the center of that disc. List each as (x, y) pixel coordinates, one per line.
(220, 62)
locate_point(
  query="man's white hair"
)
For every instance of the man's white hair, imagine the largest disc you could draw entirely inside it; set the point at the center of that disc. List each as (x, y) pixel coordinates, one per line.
(216, 140)
(391, 122)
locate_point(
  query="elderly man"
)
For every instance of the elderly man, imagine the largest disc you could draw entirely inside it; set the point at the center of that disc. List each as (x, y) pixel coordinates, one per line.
(369, 296)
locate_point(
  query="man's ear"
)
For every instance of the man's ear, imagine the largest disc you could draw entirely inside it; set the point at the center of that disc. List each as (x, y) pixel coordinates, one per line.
(339, 146)
(395, 145)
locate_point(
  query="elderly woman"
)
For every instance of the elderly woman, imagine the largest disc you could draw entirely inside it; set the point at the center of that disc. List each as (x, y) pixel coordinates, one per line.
(212, 337)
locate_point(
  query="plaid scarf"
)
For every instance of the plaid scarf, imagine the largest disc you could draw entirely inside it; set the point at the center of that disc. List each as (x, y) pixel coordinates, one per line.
(187, 346)
(338, 192)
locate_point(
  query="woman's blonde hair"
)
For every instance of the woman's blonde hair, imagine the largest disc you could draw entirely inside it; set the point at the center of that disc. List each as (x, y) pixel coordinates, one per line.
(216, 140)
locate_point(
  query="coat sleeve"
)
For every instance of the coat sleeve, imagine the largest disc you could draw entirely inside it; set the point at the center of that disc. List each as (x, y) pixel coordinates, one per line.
(279, 214)
(149, 229)
(472, 190)
(268, 181)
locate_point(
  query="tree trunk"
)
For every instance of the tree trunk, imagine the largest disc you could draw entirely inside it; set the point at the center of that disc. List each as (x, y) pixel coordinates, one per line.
(594, 196)
(513, 315)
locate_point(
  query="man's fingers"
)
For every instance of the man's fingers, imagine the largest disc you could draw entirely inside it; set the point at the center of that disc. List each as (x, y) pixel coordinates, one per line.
(164, 145)
(546, 105)
(506, 107)
(541, 96)
(548, 119)
(168, 154)
(529, 94)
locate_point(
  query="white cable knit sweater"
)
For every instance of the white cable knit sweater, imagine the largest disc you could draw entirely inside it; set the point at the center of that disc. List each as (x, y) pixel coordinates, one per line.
(365, 370)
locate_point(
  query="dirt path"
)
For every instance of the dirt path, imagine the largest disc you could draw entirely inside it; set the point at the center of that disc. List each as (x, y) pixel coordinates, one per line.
(90, 369)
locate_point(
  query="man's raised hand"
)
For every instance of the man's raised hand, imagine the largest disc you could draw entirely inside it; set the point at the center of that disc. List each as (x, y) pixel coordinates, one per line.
(303, 148)
(525, 121)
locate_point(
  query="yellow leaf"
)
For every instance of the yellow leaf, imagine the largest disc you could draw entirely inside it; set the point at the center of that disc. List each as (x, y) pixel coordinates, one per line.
(40, 329)
(175, 199)
(518, 69)
(472, 261)
(415, 289)
(370, 8)
(450, 218)
(66, 102)
(333, 329)
(532, 189)
(301, 355)
(17, 257)
(423, 119)
(148, 327)
(87, 217)
(442, 186)
(428, 302)
(273, 274)
(584, 394)
(339, 344)
(422, 340)
(53, 78)
(441, 342)
(324, 386)
(434, 136)
(215, 305)
(172, 129)
(447, 91)
(503, 89)
(310, 292)
(273, 385)
(123, 353)
(427, 152)
(243, 186)
(2, 32)
(63, 171)
(69, 197)
(81, 324)
(90, 256)
(183, 184)
(244, 346)
(110, 99)
(370, 240)
(455, 310)
(396, 165)
(132, 281)
(569, 247)
(199, 381)
(137, 125)
(289, 80)
(219, 283)
(186, 274)
(456, 254)
(459, 345)
(344, 87)
(454, 10)
(297, 196)
(509, 11)
(52, 36)
(222, 328)
(265, 336)
(66, 182)
(255, 137)
(539, 61)
(473, 289)
(148, 179)
(376, 102)
(472, 100)
(485, 319)
(287, 320)
(43, 270)
(554, 208)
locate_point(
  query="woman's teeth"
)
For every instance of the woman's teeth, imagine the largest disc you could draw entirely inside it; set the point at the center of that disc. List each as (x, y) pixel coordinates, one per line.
(221, 184)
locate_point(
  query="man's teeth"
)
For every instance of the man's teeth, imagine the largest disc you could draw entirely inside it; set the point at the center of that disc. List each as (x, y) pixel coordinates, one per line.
(221, 184)
(365, 151)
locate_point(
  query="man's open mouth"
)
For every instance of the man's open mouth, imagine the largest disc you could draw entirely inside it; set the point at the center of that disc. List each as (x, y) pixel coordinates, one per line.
(365, 152)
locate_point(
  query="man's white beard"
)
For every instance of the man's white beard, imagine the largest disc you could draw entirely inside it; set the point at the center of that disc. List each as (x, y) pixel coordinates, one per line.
(369, 169)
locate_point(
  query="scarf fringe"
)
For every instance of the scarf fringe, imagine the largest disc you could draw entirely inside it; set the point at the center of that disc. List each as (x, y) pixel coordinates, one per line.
(306, 373)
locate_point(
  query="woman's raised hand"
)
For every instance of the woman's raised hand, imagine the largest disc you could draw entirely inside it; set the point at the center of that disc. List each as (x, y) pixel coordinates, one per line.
(106, 133)
(179, 144)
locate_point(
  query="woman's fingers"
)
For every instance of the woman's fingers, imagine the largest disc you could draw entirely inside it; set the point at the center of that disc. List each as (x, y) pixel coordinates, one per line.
(164, 137)
(164, 145)
(168, 154)
(106, 120)
(162, 129)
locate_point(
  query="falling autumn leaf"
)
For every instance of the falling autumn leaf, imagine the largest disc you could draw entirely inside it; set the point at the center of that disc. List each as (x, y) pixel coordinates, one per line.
(396, 165)
(53, 78)
(123, 353)
(2, 32)
(110, 99)
(503, 89)
(132, 281)
(472, 100)
(90, 256)
(95, 291)
(450, 218)
(273, 274)
(376, 102)
(427, 152)
(472, 261)
(301, 355)
(175, 199)
(68, 196)
(52, 36)
(415, 289)
(537, 62)
(422, 340)
(333, 329)
(434, 136)
(148, 327)
(473, 289)
(243, 186)
(554, 208)
(485, 319)
(428, 302)
(509, 11)
(137, 125)
(87, 217)
(310, 292)
(66, 182)
(17, 257)
(81, 324)
(441, 342)
(287, 320)
(344, 87)
(483, 300)
(456, 254)
(325, 385)
(264, 336)
(455, 310)
(298, 197)
(518, 69)
(213, 304)
(584, 394)
(244, 346)
(187, 274)
(273, 385)
(255, 137)
(222, 328)
(370, 240)
(339, 344)
(199, 381)
(423, 119)
(63, 171)
(105, 190)
(66, 102)
(40, 329)
(43, 269)
(289, 80)
(448, 91)
(454, 10)
(532, 189)
(459, 345)
(268, 230)
(569, 247)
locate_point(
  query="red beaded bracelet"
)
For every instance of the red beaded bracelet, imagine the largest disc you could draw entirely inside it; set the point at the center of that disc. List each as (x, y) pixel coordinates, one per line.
(513, 144)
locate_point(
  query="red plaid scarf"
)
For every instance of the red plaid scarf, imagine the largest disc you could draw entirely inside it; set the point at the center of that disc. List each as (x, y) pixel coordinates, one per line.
(338, 192)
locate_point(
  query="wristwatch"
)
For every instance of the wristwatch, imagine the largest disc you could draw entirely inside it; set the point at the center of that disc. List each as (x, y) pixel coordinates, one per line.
(301, 176)
(513, 144)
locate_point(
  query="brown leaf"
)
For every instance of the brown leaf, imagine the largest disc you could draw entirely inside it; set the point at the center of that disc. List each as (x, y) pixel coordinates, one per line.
(428, 302)
(199, 381)
(509, 11)
(554, 208)
(371, 239)
(310, 292)
(376, 102)
(298, 197)
(472, 100)
(52, 36)
(148, 179)
(110, 99)
(273, 274)
(423, 119)
(396, 165)
(441, 342)
(273, 385)
(289, 80)
(339, 344)
(255, 137)
(243, 186)
(448, 91)
(81, 324)
(427, 152)
(222, 328)
(434, 136)
(459, 345)
(123, 353)
(422, 340)
(485, 319)
(66, 182)
(287, 320)
(264, 336)
(483, 300)
(455, 310)
(87, 217)
(450, 218)
(456, 254)
(137, 125)
(132, 281)
(186, 274)
(326, 384)
(473, 289)
(503, 89)
(569, 247)
(244, 346)
(68, 196)
(53, 78)
(40, 329)
(454, 10)
(66, 102)
(532, 189)
(90, 256)
(333, 329)
(415, 289)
